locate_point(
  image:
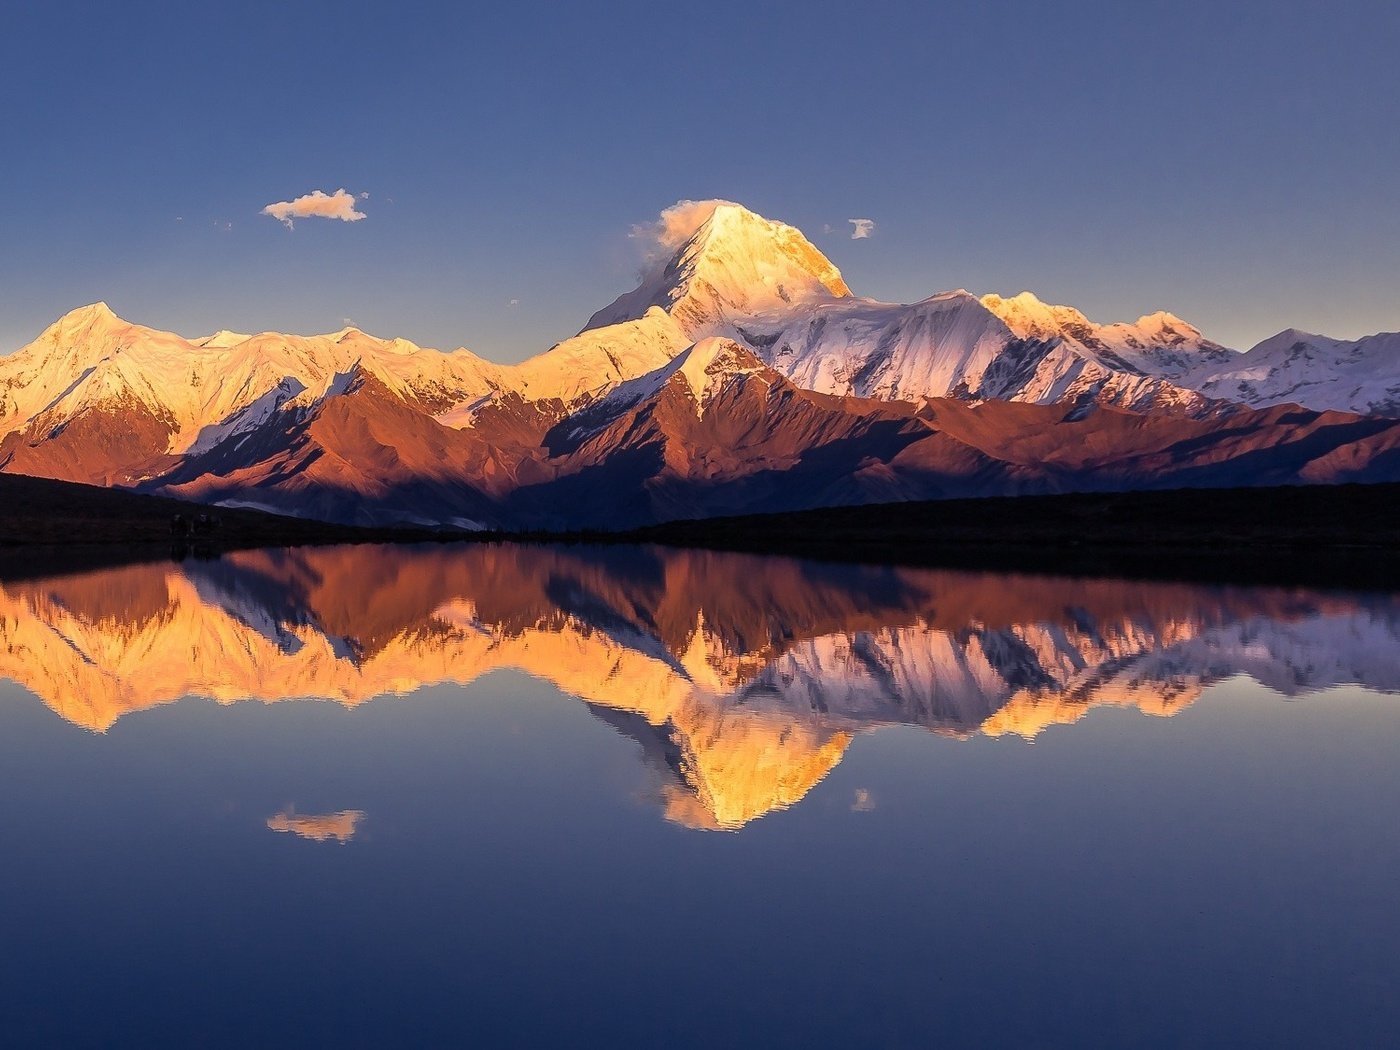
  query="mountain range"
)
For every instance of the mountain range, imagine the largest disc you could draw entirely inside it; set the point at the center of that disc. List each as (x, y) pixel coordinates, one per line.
(741, 375)
(742, 680)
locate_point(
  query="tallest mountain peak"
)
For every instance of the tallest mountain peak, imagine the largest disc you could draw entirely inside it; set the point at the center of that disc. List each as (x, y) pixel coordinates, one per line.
(724, 261)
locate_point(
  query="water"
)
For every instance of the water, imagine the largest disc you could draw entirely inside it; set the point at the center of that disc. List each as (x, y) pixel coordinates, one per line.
(641, 797)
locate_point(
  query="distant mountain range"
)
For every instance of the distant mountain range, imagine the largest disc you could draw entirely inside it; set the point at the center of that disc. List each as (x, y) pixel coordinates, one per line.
(741, 375)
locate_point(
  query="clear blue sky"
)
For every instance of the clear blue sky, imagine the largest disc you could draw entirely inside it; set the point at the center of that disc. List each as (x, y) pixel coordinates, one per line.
(1238, 164)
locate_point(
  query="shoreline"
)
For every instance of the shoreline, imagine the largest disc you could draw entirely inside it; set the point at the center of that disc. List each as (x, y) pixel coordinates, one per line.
(1345, 536)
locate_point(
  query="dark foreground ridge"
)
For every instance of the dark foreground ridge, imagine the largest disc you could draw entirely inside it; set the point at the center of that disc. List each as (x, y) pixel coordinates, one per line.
(48, 526)
(1342, 535)
(1339, 535)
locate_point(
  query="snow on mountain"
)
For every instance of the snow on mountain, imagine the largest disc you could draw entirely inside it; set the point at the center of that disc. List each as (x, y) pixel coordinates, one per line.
(948, 345)
(864, 348)
(91, 361)
(762, 283)
(744, 314)
(597, 359)
(736, 264)
(737, 275)
(222, 338)
(1293, 367)
(1159, 344)
(702, 370)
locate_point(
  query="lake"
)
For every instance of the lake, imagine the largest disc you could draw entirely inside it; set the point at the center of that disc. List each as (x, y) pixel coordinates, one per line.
(635, 796)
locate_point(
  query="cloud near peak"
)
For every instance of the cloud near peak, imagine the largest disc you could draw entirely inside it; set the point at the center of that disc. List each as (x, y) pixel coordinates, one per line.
(318, 204)
(674, 225)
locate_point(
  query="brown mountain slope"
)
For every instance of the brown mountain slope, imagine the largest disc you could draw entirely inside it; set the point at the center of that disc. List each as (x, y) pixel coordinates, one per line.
(368, 457)
(714, 432)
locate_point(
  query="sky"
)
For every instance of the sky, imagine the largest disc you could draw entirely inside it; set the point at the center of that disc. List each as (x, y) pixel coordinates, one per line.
(1235, 163)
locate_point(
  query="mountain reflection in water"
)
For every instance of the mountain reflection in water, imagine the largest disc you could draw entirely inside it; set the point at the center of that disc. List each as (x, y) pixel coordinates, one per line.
(743, 679)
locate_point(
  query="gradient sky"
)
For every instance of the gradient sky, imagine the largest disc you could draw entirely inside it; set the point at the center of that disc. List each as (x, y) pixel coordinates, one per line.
(1236, 163)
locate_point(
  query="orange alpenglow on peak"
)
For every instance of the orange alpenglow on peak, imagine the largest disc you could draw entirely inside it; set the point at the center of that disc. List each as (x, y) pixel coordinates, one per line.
(351, 428)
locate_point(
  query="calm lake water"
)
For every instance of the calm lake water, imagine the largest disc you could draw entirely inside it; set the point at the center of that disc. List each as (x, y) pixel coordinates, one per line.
(574, 796)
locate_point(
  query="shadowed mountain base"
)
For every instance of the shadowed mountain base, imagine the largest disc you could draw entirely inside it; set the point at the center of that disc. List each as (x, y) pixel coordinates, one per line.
(1339, 535)
(59, 526)
(1343, 535)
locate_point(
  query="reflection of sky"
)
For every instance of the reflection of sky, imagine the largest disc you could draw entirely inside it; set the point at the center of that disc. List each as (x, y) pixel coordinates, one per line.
(1238, 857)
(1227, 162)
(743, 680)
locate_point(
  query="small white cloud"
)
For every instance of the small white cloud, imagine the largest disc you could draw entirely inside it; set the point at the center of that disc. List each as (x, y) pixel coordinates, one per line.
(317, 204)
(514, 302)
(863, 228)
(828, 228)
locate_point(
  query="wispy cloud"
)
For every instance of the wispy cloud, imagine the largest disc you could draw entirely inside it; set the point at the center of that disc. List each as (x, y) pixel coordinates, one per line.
(863, 228)
(674, 225)
(318, 204)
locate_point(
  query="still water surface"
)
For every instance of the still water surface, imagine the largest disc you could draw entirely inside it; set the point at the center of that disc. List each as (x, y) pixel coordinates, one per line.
(573, 796)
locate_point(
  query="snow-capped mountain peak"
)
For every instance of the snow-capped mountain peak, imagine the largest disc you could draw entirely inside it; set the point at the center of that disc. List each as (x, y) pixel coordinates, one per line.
(1030, 318)
(710, 363)
(1159, 344)
(1353, 375)
(704, 364)
(736, 264)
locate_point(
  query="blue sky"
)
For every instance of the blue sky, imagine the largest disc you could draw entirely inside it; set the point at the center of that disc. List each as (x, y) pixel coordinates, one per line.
(1237, 164)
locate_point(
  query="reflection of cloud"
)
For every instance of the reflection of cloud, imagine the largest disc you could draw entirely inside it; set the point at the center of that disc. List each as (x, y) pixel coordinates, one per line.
(864, 801)
(320, 827)
(674, 225)
(316, 204)
(863, 228)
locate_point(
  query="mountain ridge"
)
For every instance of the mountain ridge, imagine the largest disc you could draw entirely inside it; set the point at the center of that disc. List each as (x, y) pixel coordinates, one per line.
(811, 384)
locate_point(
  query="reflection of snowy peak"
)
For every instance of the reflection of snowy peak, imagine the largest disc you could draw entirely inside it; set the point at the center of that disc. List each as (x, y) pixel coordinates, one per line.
(743, 679)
